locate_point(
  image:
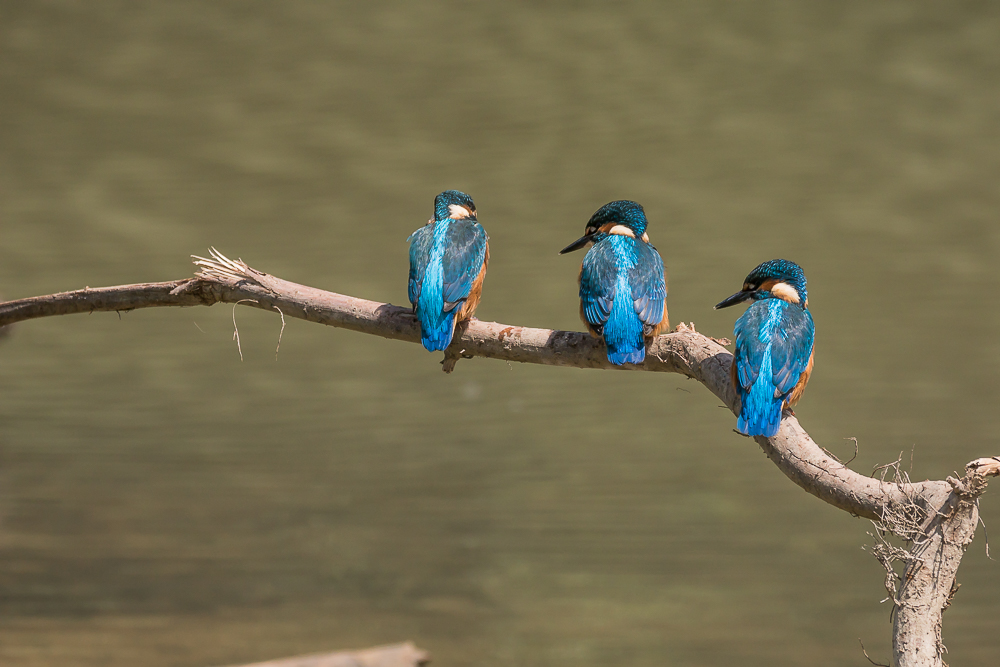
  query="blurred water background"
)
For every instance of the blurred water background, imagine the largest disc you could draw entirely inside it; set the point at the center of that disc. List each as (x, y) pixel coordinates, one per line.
(163, 503)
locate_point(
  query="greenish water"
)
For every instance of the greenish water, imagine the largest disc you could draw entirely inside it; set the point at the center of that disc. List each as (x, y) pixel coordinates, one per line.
(163, 503)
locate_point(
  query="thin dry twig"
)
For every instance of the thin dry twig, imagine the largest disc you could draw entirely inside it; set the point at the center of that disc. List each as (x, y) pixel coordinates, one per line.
(236, 329)
(879, 664)
(280, 332)
(986, 535)
(837, 458)
(855, 450)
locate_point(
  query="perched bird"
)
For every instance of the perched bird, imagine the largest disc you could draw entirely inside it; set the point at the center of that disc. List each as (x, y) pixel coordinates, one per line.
(623, 291)
(774, 345)
(448, 258)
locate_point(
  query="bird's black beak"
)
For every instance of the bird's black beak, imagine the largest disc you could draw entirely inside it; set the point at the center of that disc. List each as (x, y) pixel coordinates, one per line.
(577, 244)
(739, 297)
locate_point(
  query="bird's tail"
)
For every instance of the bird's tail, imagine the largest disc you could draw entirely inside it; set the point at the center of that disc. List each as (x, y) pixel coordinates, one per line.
(436, 325)
(436, 331)
(623, 331)
(760, 412)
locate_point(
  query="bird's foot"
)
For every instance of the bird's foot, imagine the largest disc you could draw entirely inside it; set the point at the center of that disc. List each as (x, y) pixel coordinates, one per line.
(451, 357)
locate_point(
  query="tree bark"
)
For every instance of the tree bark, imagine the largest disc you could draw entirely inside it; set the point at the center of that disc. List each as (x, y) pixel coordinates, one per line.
(938, 517)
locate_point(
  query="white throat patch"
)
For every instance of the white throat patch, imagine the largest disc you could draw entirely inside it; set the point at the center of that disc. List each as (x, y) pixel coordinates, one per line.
(621, 230)
(785, 291)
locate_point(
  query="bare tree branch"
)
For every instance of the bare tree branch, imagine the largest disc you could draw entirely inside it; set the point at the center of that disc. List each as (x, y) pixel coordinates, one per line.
(941, 515)
(687, 352)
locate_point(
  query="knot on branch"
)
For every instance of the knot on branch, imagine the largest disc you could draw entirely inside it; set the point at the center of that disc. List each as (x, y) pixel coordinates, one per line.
(987, 467)
(975, 481)
(208, 292)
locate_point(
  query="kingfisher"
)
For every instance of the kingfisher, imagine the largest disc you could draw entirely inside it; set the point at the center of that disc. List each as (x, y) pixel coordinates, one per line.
(623, 291)
(774, 345)
(448, 258)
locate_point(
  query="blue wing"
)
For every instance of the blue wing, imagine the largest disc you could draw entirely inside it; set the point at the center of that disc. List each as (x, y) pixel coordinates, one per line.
(773, 338)
(791, 348)
(749, 355)
(445, 259)
(463, 259)
(649, 287)
(598, 280)
(621, 290)
(420, 252)
(779, 330)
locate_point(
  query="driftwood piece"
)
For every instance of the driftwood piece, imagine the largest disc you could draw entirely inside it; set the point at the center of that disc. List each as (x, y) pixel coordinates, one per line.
(938, 518)
(395, 655)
